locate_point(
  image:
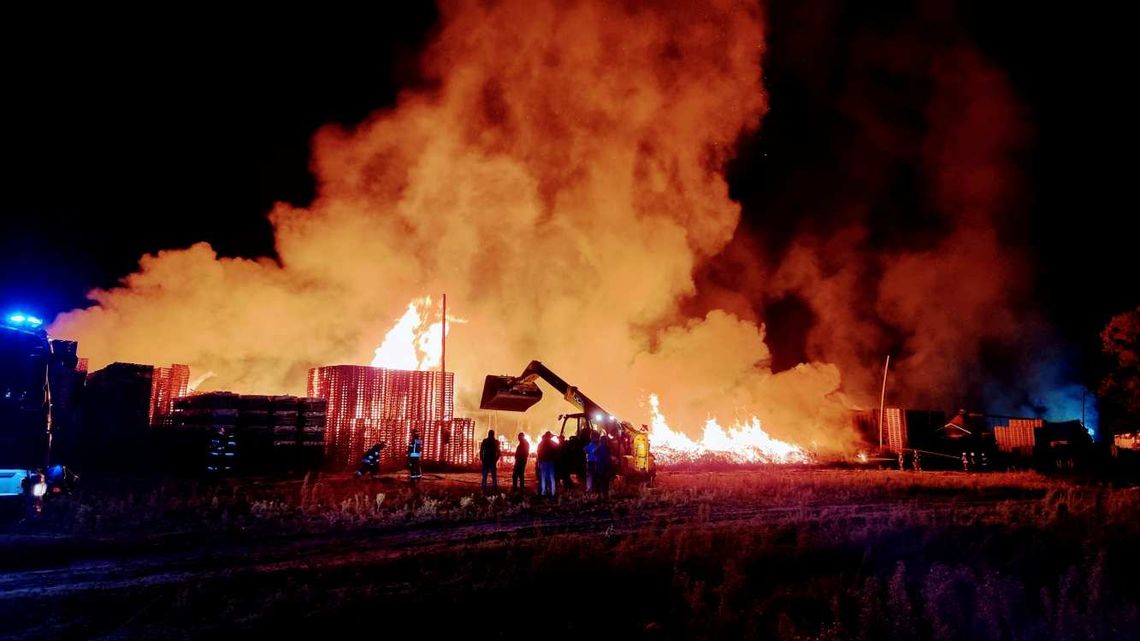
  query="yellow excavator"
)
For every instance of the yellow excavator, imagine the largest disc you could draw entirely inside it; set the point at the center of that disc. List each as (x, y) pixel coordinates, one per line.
(520, 393)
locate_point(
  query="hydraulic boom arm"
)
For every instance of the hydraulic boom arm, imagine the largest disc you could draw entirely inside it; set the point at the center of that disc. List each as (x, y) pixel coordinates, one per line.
(520, 393)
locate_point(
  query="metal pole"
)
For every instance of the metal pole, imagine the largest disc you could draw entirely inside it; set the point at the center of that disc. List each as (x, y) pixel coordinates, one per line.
(443, 368)
(883, 400)
(47, 395)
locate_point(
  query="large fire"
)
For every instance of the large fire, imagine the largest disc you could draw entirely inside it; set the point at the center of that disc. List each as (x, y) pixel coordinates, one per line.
(414, 342)
(743, 443)
(562, 176)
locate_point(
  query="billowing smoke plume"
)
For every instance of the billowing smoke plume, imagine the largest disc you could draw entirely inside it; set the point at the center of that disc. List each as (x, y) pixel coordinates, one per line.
(561, 182)
(904, 231)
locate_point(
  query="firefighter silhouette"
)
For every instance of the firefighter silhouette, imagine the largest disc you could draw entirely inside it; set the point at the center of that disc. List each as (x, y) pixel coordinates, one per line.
(370, 462)
(415, 453)
(221, 452)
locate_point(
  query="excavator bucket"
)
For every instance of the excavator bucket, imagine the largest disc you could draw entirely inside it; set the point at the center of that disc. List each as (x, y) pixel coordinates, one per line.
(502, 393)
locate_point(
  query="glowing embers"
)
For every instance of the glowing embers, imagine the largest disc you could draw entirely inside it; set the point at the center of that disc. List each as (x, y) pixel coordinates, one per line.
(743, 443)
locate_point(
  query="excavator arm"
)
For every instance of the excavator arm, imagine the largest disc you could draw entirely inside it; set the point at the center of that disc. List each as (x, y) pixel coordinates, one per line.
(520, 393)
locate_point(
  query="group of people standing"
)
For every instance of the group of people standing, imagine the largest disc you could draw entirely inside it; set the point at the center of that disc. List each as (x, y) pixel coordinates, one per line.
(586, 454)
(555, 461)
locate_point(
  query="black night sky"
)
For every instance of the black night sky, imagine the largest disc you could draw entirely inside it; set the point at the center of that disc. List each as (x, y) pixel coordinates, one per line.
(124, 134)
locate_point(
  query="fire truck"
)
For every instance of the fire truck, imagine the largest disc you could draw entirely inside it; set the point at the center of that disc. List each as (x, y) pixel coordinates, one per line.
(24, 352)
(27, 357)
(520, 393)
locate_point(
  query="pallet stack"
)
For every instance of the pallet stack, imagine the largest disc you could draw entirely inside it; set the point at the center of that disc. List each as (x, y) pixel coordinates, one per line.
(168, 384)
(273, 432)
(1019, 436)
(367, 405)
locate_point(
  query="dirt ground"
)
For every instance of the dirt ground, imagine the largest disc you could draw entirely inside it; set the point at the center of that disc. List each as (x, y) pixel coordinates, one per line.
(757, 553)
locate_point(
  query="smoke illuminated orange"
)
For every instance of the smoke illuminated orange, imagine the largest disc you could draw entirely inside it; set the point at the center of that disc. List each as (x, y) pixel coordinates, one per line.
(561, 178)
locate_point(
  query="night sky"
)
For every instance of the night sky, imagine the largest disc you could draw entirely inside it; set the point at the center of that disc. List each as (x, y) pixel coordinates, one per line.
(119, 140)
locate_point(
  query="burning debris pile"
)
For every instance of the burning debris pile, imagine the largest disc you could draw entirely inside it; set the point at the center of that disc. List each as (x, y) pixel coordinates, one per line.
(745, 443)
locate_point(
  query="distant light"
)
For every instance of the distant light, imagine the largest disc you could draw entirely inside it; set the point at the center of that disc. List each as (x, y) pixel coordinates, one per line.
(17, 318)
(34, 322)
(598, 417)
(612, 417)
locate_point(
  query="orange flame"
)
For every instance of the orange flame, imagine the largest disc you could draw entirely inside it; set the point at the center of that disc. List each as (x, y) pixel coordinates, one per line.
(743, 443)
(413, 343)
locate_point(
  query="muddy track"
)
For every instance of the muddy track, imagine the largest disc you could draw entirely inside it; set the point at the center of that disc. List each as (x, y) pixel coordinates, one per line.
(144, 568)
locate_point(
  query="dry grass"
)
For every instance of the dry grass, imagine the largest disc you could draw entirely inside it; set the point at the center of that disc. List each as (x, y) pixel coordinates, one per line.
(785, 553)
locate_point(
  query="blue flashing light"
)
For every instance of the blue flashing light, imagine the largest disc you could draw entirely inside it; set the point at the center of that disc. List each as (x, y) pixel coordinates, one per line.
(20, 320)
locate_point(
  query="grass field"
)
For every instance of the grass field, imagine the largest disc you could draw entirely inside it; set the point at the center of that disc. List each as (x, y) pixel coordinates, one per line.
(781, 552)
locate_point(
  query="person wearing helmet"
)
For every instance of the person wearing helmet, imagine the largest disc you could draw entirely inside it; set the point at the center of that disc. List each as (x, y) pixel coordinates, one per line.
(415, 453)
(370, 462)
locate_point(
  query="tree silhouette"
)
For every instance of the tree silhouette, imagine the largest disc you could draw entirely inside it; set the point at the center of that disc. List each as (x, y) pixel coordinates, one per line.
(1121, 339)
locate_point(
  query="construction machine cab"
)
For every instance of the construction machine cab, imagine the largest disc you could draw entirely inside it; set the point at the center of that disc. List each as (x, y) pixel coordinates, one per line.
(579, 424)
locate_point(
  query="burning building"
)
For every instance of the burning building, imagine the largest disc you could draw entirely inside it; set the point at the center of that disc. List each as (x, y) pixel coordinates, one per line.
(367, 405)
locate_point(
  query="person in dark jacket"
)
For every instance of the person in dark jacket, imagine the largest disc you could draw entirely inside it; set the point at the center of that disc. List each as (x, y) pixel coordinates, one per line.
(34, 486)
(591, 462)
(415, 453)
(547, 460)
(571, 460)
(370, 462)
(518, 477)
(603, 467)
(489, 455)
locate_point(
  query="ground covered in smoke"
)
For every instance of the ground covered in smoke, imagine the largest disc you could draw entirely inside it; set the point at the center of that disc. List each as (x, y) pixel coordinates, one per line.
(788, 553)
